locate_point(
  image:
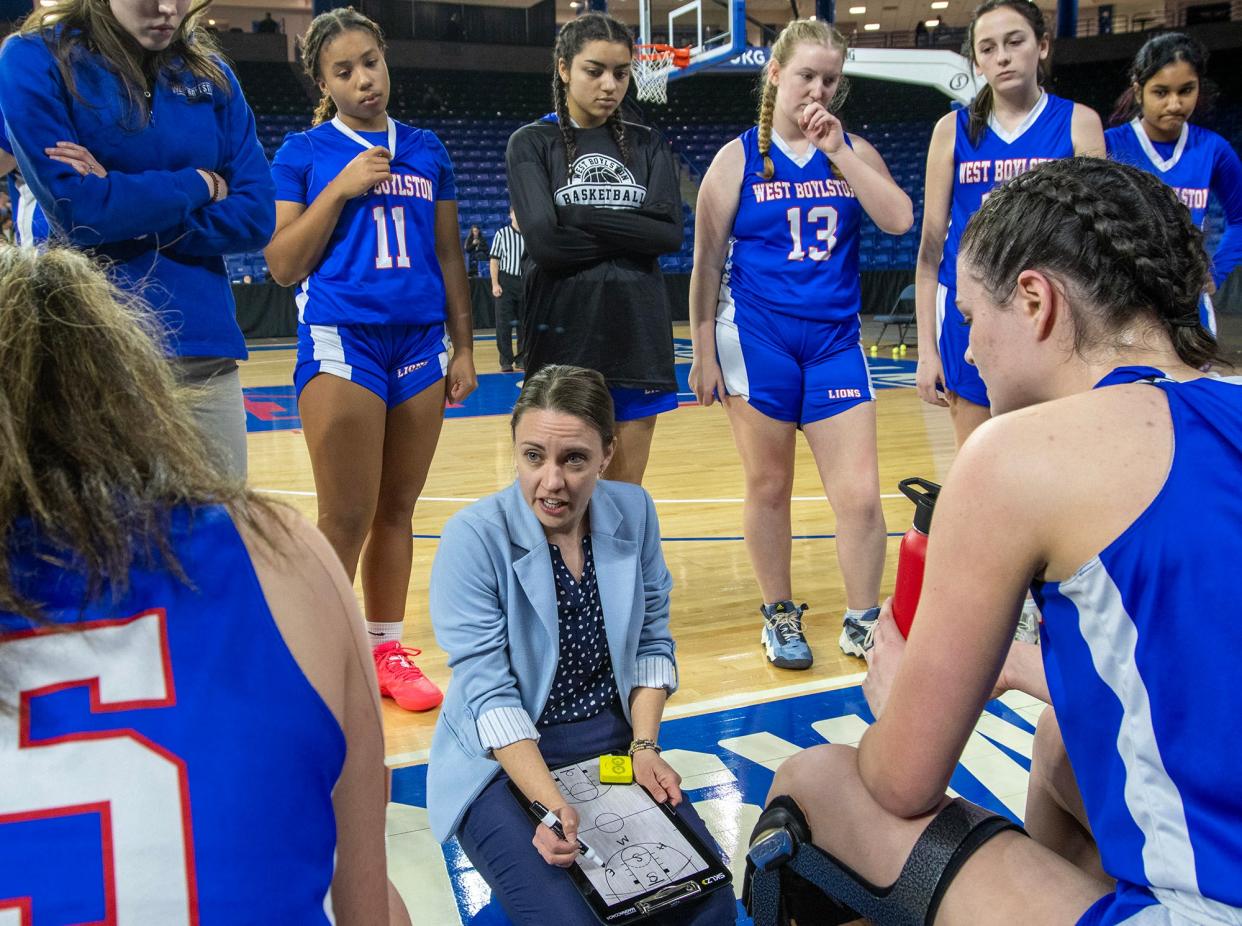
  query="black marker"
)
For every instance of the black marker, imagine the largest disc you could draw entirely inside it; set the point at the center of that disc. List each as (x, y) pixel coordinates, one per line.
(550, 820)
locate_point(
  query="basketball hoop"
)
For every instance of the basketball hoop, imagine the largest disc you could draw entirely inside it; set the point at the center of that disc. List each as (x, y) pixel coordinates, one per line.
(652, 66)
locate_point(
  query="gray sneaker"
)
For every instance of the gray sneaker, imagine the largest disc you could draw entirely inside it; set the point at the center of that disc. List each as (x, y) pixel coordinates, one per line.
(1028, 623)
(856, 633)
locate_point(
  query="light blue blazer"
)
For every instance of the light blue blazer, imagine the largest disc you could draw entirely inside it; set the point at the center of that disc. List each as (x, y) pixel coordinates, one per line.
(493, 607)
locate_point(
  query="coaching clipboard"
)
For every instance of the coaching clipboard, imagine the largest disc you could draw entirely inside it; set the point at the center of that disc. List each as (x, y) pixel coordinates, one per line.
(653, 860)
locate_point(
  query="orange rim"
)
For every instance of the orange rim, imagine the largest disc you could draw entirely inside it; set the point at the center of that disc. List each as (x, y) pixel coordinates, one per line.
(681, 56)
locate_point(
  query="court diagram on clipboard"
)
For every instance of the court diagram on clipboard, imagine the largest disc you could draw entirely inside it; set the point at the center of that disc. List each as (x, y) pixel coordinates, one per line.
(642, 848)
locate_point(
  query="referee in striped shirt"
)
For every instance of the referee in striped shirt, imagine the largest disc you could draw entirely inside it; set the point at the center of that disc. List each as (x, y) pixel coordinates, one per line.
(506, 265)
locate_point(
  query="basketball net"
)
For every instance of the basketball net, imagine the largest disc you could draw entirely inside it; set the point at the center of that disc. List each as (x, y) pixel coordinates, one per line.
(651, 68)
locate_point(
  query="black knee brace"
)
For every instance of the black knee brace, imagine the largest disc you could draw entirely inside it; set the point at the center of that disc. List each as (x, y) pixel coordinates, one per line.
(787, 876)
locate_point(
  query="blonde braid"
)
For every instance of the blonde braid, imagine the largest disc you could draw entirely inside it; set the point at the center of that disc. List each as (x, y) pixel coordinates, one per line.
(767, 104)
(325, 110)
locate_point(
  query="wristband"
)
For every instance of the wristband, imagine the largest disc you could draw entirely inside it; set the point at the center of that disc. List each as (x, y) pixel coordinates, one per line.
(641, 744)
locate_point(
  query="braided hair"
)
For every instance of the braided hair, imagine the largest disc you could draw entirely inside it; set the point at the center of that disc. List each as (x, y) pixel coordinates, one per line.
(1155, 55)
(793, 35)
(1116, 236)
(323, 29)
(982, 105)
(591, 27)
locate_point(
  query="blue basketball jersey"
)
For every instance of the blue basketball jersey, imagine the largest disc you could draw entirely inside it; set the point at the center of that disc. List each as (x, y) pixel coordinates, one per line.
(1186, 165)
(379, 267)
(29, 222)
(166, 761)
(1198, 163)
(795, 237)
(1044, 135)
(1153, 738)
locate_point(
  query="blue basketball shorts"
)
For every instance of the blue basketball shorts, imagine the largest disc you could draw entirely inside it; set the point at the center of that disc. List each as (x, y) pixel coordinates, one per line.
(632, 404)
(395, 362)
(791, 369)
(1139, 905)
(953, 336)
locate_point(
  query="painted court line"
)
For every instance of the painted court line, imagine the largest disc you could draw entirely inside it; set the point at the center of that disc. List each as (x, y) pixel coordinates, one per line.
(658, 501)
(706, 706)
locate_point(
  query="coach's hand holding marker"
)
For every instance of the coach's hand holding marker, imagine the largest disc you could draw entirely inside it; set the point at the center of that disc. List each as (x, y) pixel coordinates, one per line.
(552, 822)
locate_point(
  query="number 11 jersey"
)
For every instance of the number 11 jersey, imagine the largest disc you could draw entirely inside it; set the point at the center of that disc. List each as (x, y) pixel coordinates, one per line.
(795, 236)
(379, 266)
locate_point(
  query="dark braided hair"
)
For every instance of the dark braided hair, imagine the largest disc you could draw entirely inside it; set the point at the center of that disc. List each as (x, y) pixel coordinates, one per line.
(1158, 53)
(591, 27)
(1116, 236)
(323, 29)
(983, 103)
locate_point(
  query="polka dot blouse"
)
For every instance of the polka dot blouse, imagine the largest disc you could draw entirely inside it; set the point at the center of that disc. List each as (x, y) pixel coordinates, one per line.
(584, 685)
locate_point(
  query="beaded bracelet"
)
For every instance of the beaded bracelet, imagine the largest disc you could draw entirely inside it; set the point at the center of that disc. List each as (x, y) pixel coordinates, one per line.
(639, 745)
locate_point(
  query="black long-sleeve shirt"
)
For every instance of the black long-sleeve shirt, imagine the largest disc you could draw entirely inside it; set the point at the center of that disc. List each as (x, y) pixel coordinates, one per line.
(595, 297)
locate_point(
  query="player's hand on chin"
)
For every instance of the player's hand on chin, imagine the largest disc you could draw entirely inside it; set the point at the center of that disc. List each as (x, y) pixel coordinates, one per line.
(657, 776)
(883, 659)
(821, 128)
(553, 849)
(461, 379)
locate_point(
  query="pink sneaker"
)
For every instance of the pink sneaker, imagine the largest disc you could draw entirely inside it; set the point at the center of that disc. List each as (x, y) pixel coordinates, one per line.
(403, 681)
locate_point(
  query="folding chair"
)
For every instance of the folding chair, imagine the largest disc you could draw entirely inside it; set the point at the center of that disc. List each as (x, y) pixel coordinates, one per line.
(901, 315)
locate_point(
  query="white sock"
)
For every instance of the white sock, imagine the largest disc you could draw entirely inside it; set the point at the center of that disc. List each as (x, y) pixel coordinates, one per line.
(381, 632)
(851, 613)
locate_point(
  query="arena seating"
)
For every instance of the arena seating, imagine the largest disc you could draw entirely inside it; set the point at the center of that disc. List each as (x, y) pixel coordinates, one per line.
(475, 113)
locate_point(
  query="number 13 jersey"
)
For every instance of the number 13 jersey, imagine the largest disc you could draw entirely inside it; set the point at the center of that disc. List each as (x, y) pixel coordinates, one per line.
(795, 237)
(379, 267)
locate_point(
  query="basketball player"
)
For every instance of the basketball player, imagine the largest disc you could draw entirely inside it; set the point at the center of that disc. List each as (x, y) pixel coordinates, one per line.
(189, 730)
(774, 301)
(1152, 131)
(1012, 125)
(29, 222)
(366, 221)
(161, 199)
(1094, 356)
(598, 201)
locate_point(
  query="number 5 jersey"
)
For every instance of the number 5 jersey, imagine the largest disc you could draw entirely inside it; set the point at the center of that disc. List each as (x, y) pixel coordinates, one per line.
(379, 266)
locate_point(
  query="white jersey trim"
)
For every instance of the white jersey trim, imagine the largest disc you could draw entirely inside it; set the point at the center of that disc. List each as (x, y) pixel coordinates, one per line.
(801, 160)
(1161, 164)
(25, 212)
(729, 346)
(1021, 128)
(329, 351)
(942, 298)
(1154, 802)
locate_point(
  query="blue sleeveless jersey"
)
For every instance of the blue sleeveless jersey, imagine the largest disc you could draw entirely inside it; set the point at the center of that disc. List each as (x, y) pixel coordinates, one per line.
(1186, 165)
(379, 266)
(795, 237)
(166, 761)
(1151, 732)
(978, 169)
